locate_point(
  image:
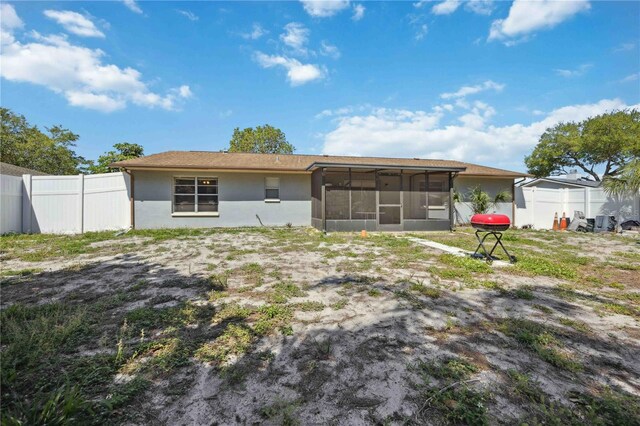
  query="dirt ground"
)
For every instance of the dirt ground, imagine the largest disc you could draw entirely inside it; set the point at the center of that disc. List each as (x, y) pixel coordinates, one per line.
(288, 326)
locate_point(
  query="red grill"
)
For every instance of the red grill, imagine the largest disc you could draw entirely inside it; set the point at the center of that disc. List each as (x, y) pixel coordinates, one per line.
(490, 222)
(486, 225)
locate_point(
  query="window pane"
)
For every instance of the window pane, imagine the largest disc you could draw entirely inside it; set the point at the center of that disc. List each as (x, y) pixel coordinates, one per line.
(185, 181)
(207, 190)
(272, 183)
(184, 203)
(272, 194)
(185, 189)
(207, 203)
(207, 181)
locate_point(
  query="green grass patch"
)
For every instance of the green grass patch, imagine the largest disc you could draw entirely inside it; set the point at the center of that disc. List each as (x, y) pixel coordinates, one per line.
(536, 265)
(465, 262)
(542, 340)
(452, 398)
(431, 292)
(235, 340)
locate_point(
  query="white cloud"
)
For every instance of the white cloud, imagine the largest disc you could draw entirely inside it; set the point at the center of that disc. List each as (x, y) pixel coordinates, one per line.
(132, 6)
(472, 90)
(297, 72)
(256, 32)
(447, 7)
(527, 16)
(324, 8)
(327, 49)
(295, 36)
(630, 78)
(425, 134)
(74, 23)
(625, 47)
(225, 114)
(79, 74)
(420, 28)
(188, 14)
(581, 70)
(421, 31)
(10, 19)
(358, 12)
(480, 7)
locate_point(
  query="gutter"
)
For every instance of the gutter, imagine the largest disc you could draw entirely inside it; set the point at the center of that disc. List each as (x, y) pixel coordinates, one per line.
(386, 166)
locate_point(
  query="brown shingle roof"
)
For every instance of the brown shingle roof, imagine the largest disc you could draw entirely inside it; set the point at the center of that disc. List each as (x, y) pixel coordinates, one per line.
(295, 162)
(11, 170)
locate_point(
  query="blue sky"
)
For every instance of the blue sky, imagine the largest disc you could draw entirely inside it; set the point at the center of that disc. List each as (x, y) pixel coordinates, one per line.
(476, 81)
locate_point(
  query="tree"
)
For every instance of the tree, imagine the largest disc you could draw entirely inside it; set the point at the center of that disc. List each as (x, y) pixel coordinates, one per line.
(606, 142)
(481, 202)
(25, 145)
(626, 182)
(263, 139)
(124, 151)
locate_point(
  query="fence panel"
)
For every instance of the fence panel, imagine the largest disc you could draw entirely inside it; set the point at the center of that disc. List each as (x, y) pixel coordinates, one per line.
(106, 202)
(10, 204)
(54, 205)
(74, 204)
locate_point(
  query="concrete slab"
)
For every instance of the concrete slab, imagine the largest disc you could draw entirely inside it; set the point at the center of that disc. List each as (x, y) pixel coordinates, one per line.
(453, 250)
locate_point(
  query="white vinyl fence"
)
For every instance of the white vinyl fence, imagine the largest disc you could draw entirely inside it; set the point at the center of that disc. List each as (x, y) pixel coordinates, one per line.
(10, 204)
(537, 206)
(66, 204)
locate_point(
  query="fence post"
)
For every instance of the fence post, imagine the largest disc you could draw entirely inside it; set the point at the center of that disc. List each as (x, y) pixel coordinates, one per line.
(533, 207)
(587, 202)
(81, 201)
(26, 204)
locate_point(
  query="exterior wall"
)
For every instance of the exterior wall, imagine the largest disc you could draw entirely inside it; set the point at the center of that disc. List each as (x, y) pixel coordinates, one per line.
(240, 197)
(491, 186)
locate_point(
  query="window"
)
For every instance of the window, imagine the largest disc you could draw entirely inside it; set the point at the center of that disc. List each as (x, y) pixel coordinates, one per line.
(272, 188)
(195, 195)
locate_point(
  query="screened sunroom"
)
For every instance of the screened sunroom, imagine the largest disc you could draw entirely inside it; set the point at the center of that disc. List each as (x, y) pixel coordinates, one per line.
(357, 197)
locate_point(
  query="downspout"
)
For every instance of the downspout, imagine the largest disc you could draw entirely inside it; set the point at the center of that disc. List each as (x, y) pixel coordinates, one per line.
(452, 206)
(323, 202)
(132, 211)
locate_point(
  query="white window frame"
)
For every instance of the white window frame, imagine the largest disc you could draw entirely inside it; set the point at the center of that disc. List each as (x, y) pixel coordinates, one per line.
(268, 186)
(195, 196)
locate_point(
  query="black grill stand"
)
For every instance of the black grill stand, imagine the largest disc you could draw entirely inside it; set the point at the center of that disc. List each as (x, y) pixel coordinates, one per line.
(489, 255)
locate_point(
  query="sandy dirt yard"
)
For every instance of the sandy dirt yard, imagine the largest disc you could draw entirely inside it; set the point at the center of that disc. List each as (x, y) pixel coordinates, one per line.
(289, 326)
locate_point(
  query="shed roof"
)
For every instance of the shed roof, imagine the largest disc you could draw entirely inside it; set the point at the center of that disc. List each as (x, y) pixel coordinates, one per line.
(564, 181)
(298, 163)
(11, 170)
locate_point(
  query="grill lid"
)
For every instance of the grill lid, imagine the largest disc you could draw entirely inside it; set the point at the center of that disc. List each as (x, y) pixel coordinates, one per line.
(490, 219)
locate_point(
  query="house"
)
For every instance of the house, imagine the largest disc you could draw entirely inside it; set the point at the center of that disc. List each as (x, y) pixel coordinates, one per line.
(561, 182)
(11, 170)
(332, 193)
